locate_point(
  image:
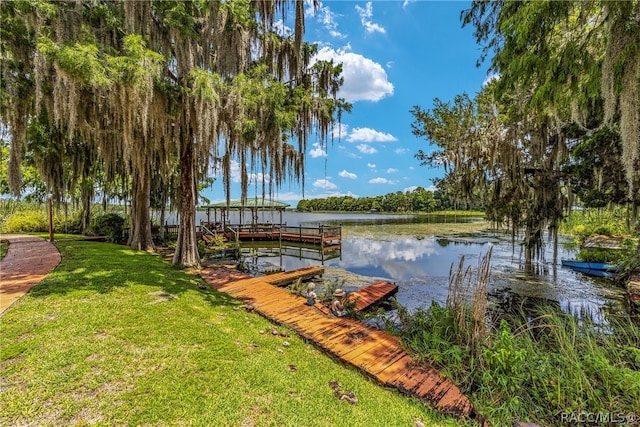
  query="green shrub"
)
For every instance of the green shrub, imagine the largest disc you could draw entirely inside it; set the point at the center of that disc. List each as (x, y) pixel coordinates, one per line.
(27, 221)
(109, 225)
(589, 222)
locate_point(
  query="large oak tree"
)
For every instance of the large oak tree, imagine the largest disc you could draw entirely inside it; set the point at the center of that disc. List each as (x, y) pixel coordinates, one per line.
(155, 86)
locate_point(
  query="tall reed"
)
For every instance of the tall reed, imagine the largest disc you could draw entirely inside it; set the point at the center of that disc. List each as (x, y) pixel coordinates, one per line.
(467, 300)
(528, 368)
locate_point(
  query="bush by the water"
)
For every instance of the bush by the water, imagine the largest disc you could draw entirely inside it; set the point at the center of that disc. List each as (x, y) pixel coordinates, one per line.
(589, 222)
(30, 217)
(533, 369)
(525, 366)
(27, 221)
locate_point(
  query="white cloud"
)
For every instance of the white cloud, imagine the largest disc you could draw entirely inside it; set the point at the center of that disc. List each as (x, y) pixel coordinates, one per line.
(392, 170)
(371, 165)
(287, 197)
(490, 78)
(339, 130)
(366, 149)
(364, 80)
(369, 135)
(326, 17)
(346, 174)
(407, 3)
(380, 180)
(400, 150)
(317, 151)
(282, 29)
(254, 178)
(365, 14)
(324, 184)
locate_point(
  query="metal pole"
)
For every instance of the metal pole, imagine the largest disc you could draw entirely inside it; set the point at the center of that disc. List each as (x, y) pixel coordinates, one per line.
(50, 209)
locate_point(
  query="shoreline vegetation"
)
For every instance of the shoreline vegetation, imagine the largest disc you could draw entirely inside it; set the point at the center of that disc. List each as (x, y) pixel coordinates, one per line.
(532, 366)
(513, 367)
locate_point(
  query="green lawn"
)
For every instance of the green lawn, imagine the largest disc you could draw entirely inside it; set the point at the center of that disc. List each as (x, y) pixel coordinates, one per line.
(4, 248)
(117, 337)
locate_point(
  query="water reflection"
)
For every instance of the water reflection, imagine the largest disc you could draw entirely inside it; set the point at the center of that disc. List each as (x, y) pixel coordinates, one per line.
(421, 265)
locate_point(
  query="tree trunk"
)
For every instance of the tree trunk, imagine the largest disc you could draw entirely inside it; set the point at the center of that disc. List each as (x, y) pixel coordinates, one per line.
(186, 253)
(86, 196)
(140, 237)
(163, 216)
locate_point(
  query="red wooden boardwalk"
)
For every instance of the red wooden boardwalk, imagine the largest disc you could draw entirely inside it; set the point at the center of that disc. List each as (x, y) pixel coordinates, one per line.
(375, 352)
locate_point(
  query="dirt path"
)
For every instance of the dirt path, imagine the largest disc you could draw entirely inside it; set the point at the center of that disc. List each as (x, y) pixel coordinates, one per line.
(27, 262)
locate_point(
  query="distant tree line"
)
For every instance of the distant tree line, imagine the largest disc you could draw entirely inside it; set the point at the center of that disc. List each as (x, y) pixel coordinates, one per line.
(418, 200)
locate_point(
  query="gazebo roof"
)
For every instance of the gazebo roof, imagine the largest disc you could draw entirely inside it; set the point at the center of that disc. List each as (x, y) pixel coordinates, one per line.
(255, 203)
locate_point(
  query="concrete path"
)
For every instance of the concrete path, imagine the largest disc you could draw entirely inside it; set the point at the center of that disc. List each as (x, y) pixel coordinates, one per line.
(28, 261)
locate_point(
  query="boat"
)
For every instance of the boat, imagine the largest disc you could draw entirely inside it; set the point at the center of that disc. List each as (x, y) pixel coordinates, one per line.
(600, 269)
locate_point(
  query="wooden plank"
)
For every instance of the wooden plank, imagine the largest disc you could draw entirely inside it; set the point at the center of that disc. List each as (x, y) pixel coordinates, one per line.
(391, 373)
(379, 354)
(382, 361)
(338, 335)
(285, 278)
(349, 353)
(373, 294)
(278, 309)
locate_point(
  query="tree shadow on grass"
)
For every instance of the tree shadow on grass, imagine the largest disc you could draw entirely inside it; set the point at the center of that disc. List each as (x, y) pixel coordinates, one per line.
(95, 267)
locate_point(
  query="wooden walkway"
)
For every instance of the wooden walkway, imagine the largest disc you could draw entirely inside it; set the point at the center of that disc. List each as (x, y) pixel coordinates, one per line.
(27, 262)
(286, 278)
(372, 350)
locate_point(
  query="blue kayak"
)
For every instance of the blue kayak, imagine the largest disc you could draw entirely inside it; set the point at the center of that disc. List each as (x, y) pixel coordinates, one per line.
(600, 269)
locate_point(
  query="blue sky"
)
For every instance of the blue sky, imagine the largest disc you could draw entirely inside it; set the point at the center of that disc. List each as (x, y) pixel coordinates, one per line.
(395, 54)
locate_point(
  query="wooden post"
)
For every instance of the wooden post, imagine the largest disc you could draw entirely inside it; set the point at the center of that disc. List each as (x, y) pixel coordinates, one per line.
(50, 209)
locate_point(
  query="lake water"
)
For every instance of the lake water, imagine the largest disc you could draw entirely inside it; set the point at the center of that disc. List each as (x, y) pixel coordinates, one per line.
(420, 264)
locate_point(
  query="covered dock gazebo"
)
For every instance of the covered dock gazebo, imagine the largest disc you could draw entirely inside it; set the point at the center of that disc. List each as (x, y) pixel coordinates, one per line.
(253, 205)
(266, 230)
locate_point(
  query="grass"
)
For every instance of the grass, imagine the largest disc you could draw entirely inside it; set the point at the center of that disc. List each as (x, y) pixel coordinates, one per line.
(530, 367)
(117, 337)
(4, 247)
(533, 371)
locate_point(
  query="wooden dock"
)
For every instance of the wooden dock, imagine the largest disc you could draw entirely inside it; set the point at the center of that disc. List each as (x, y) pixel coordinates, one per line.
(373, 294)
(288, 277)
(374, 351)
(322, 235)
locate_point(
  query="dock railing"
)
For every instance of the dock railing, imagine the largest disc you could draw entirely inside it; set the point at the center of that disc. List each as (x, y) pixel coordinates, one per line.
(321, 235)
